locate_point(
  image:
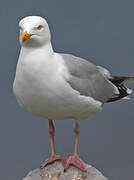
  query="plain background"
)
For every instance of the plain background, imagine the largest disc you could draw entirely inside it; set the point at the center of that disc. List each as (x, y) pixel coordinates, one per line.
(101, 30)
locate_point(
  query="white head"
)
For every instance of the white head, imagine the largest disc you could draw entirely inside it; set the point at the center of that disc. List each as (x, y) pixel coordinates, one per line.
(34, 31)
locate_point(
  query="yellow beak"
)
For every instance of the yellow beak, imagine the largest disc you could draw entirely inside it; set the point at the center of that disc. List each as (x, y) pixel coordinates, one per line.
(25, 36)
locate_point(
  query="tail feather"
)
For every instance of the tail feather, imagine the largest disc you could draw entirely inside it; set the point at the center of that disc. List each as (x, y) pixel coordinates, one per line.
(119, 82)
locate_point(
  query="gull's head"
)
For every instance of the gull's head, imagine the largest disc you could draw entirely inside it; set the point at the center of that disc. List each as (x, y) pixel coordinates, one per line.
(34, 31)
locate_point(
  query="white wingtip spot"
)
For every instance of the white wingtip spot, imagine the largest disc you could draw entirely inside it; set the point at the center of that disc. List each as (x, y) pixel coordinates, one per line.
(129, 91)
(126, 98)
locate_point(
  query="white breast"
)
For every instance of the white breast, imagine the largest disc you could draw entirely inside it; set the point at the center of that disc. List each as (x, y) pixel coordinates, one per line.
(40, 87)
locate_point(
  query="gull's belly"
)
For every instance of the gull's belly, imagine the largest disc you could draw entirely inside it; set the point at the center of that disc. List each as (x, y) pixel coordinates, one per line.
(54, 99)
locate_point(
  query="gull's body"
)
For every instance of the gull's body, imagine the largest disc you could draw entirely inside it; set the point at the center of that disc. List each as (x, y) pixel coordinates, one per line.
(41, 87)
(59, 86)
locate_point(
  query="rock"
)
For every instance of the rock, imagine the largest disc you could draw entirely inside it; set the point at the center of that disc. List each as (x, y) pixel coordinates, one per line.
(56, 171)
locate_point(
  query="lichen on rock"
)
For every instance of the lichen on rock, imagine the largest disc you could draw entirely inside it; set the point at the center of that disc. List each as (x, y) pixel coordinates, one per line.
(56, 171)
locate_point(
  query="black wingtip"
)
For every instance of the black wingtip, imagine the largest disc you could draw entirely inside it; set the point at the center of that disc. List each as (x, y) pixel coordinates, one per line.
(119, 81)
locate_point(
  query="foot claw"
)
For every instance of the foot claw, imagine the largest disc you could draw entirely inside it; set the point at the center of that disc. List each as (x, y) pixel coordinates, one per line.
(51, 160)
(74, 161)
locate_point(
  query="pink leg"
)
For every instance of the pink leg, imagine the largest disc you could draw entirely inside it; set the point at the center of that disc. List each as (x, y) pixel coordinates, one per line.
(74, 160)
(54, 156)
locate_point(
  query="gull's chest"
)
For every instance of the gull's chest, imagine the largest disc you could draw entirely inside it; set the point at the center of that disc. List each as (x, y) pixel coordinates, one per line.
(36, 77)
(40, 87)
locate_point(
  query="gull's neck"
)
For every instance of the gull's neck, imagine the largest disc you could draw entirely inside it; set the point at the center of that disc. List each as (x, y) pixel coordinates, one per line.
(47, 49)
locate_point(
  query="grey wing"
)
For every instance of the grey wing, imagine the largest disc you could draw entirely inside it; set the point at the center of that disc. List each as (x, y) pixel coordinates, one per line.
(87, 79)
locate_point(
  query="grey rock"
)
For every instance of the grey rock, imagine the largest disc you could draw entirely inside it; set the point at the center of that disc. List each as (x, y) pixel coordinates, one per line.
(56, 171)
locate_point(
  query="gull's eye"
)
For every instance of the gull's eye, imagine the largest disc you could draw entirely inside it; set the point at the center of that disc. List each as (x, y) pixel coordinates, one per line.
(40, 27)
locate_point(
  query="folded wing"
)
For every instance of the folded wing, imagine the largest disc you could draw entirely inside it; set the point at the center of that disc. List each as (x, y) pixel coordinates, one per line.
(87, 79)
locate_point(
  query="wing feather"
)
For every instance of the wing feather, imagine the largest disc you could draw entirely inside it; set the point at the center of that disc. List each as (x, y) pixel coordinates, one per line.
(87, 79)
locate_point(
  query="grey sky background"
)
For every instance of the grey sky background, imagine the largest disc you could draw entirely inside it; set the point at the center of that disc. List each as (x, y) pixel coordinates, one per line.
(99, 30)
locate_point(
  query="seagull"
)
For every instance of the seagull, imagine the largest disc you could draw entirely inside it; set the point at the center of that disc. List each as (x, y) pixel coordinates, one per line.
(59, 86)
